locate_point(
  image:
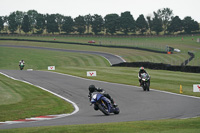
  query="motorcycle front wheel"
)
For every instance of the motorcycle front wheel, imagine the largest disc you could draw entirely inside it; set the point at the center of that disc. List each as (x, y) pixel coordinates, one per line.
(103, 110)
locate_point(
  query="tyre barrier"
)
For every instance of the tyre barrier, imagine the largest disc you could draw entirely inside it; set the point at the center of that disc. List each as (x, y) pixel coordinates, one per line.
(160, 66)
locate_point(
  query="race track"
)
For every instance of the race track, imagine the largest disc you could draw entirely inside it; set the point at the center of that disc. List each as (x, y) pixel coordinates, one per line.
(135, 105)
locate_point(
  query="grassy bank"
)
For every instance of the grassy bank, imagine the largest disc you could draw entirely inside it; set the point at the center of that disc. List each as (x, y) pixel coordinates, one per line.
(130, 55)
(20, 100)
(159, 126)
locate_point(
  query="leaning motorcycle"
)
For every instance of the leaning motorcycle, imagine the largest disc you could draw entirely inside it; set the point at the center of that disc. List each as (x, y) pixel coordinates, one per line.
(103, 104)
(145, 82)
(21, 66)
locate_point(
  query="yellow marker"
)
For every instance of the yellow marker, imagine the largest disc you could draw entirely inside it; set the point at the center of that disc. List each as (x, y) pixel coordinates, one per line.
(181, 89)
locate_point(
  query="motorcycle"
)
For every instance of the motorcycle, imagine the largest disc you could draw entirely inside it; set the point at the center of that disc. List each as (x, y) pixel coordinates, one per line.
(21, 66)
(145, 82)
(103, 104)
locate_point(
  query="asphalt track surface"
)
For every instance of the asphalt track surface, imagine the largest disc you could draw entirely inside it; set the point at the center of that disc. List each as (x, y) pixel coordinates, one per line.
(134, 103)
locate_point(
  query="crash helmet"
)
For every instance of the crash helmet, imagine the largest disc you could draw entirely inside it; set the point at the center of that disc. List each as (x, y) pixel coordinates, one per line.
(141, 69)
(92, 88)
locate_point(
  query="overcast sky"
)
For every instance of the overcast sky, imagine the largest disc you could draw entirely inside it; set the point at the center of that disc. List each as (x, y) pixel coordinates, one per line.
(73, 8)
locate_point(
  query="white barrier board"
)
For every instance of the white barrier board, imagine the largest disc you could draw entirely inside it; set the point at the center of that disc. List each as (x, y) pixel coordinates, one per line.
(51, 68)
(91, 73)
(196, 87)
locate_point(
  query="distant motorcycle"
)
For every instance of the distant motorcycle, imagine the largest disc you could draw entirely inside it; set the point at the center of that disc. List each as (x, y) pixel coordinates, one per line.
(21, 66)
(103, 104)
(145, 82)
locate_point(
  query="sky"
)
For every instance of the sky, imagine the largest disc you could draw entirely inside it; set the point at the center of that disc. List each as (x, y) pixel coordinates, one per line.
(74, 8)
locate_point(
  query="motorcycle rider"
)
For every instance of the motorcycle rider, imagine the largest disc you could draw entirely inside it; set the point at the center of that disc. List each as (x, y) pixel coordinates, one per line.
(21, 61)
(92, 89)
(140, 73)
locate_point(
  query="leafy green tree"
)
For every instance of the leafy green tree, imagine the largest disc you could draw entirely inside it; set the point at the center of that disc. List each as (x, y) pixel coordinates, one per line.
(52, 25)
(40, 23)
(166, 15)
(190, 25)
(12, 23)
(5, 21)
(141, 24)
(150, 24)
(1, 23)
(19, 19)
(26, 26)
(175, 25)
(32, 14)
(127, 22)
(80, 24)
(157, 24)
(88, 21)
(97, 24)
(59, 20)
(67, 24)
(112, 23)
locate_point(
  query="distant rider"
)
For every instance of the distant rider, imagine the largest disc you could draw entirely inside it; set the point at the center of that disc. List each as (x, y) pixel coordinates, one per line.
(21, 61)
(92, 89)
(140, 73)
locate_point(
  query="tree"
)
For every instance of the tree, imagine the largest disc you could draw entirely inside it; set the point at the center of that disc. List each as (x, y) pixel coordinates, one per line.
(12, 23)
(127, 22)
(32, 14)
(40, 23)
(97, 24)
(157, 24)
(80, 24)
(52, 25)
(112, 23)
(26, 26)
(88, 21)
(59, 20)
(150, 23)
(19, 19)
(190, 25)
(166, 15)
(1, 23)
(5, 20)
(67, 25)
(141, 24)
(175, 25)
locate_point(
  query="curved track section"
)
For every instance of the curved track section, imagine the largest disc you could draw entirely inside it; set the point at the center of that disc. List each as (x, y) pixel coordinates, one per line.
(135, 105)
(112, 59)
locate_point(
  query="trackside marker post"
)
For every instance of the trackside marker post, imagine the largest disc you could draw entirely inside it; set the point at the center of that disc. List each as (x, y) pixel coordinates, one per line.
(181, 89)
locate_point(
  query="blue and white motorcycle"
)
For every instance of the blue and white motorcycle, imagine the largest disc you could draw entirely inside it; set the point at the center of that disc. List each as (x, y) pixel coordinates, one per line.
(103, 104)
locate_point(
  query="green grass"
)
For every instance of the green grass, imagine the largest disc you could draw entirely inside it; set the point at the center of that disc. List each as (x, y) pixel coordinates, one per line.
(41, 59)
(130, 55)
(159, 126)
(20, 100)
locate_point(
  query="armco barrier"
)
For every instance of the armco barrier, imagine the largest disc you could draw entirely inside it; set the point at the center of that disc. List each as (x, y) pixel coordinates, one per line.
(160, 66)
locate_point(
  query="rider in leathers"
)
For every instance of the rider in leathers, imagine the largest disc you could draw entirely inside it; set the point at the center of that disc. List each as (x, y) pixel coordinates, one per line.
(92, 89)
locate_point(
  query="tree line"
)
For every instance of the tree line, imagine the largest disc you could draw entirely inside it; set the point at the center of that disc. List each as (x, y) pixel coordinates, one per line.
(162, 20)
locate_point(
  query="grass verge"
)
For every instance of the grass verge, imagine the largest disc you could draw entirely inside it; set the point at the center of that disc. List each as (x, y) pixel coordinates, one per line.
(158, 126)
(20, 100)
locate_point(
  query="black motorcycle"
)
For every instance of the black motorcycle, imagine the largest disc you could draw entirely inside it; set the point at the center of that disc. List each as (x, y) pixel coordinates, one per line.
(145, 82)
